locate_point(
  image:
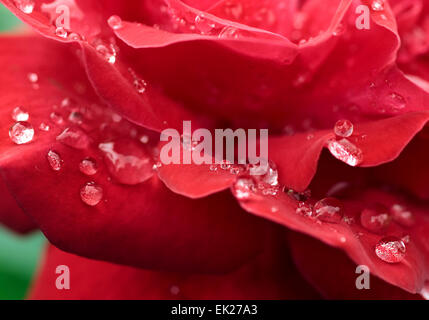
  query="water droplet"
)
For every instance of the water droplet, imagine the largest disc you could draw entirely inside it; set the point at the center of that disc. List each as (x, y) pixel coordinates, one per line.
(144, 139)
(109, 54)
(33, 77)
(203, 24)
(54, 160)
(75, 36)
(339, 30)
(329, 210)
(174, 290)
(395, 102)
(88, 166)
(272, 176)
(56, 118)
(304, 209)
(19, 114)
(44, 127)
(75, 138)
(213, 167)
(377, 5)
(91, 194)
(244, 187)
(115, 22)
(140, 85)
(26, 6)
(375, 219)
(343, 128)
(391, 249)
(346, 151)
(21, 132)
(236, 169)
(402, 215)
(128, 161)
(229, 33)
(61, 32)
(76, 117)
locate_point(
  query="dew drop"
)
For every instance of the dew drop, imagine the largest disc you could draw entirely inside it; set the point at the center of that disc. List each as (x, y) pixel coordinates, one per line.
(244, 187)
(144, 139)
(346, 151)
(329, 210)
(304, 209)
(391, 249)
(229, 33)
(26, 6)
(91, 194)
(115, 22)
(19, 114)
(61, 32)
(75, 138)
(33, 77)
(225, 165)
(213, 168)
(75, 36)
(88, 166)
(107, 53)
(21, 132)
(375, 219)
(343, 128)
(76, 117)
(402, 215)
(44, 127)
(203, 24)
(174, 290)
(56, 118)
(339, 30)
(127, 160)
(140, 85)
(54, 160)
(396, 101)
(377, 5)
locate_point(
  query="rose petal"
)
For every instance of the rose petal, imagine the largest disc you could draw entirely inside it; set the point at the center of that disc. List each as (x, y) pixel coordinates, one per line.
(271, 275)
(326, 267)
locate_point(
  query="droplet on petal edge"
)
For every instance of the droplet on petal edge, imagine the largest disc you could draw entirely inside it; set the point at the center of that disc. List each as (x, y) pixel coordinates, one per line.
(244, 187)
(345, 151)
(391, 249)
(21, 132)
(328, 210)
(343, 128)
(91, 194)
(115, 22)
(88, 166)
(26, 6)
(61, 32)
(54, 160)
(19, 114)
(402, 215)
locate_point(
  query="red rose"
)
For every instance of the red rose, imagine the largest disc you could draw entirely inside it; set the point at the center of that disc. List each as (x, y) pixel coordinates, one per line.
(97, 94)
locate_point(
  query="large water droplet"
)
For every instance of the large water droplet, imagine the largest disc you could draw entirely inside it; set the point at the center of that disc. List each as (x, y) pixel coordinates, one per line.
(88, 166)
(115, 22)
(375, 219)
(244, 187)
(329, 210)
(128, 161)
(109, 54)
(345, 151)
(26, 6)
(54, 160)
(391, 249)
(343, 128)
(21, 132)
(91, 194)
(75, 138)
(402, 215)
(19, 114)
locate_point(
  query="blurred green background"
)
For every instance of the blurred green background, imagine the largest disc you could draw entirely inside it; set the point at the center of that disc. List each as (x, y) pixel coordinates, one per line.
(19, 255)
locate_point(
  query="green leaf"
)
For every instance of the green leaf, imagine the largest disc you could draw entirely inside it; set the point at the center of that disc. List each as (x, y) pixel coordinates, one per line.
(7, 20)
